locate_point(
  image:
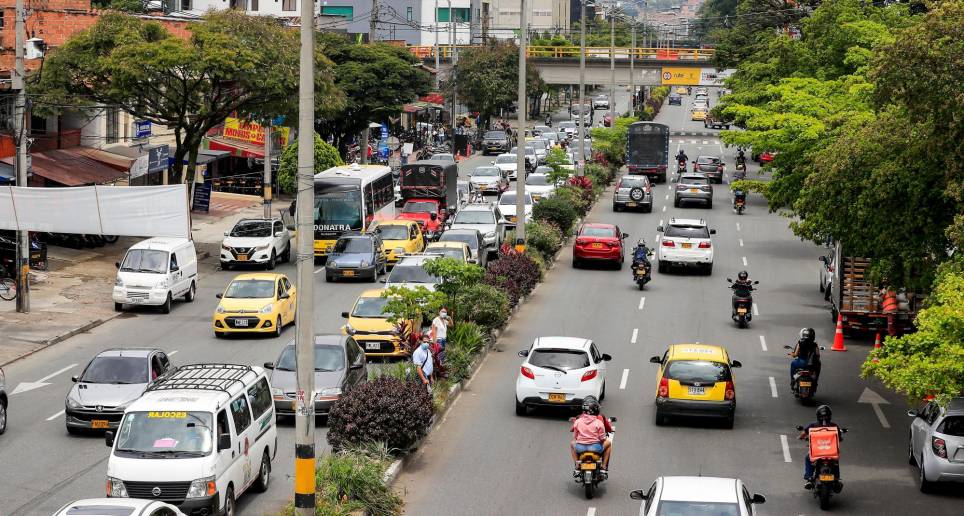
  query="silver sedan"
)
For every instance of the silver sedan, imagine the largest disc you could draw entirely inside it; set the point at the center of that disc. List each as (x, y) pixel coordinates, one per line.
(936, 443)
(693, 187)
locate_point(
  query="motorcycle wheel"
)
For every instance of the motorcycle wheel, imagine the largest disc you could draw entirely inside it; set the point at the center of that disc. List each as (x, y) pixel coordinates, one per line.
(741, 323)
(823, 493)
(641, 284)
(590, 489)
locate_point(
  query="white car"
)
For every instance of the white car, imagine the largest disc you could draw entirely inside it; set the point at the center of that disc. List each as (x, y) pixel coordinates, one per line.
(697, 495)
(600, 102)
(569, 128)
(532, 159)
(409, 273)
(539, 187)
(508, 163)
(685, 242)
(260, 241)
(541, 147)
(507, 205)
(487, 219)
(118, 507)
(560, 372)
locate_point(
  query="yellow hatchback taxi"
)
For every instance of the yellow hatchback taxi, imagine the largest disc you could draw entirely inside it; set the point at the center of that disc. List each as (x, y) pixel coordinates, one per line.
(371, 329)
(400, 237)
(695, 380)
(451, 249)
(255, 303)
(698, 114)
(681, 90)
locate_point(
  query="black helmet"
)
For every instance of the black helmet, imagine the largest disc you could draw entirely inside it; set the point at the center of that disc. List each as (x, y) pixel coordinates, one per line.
(824, 413)
(590, 406)
(743, 275)
(808, 334)
(641, 243)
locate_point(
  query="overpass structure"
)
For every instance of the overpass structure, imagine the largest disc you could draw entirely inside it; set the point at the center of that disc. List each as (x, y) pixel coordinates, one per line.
(651, 66)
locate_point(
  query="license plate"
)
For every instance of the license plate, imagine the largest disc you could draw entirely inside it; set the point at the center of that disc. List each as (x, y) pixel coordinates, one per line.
(242, 257)
(372, 346)
(694, 190)
(482, 187)
(697, 391)
(134, 300)
(536, 198)
(348, 273)
(241, 322)
(687, 246)
(588, 465)
(557, 398)
(631, 204)
(826, 478)
(804, 384)
(741, 311)
(98, 423)
(596, 246)
(511, 219)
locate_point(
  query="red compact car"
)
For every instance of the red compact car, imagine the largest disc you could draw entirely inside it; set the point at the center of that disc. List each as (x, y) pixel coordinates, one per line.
(598, 242)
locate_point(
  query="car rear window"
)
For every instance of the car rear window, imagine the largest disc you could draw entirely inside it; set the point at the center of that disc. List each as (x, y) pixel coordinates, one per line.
(687, 232)
(694, 180)
(953, 425)
(689, 371)
(633, 182)
(495, 135)
(564, 359)
(673, 508)
(708, 159)
(590, 231)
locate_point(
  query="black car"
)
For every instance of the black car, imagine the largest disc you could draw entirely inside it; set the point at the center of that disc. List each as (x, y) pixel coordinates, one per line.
(339, 365)
(8, 253)
(675, 100)
(356, 256)
(711, 167)
(495, 142)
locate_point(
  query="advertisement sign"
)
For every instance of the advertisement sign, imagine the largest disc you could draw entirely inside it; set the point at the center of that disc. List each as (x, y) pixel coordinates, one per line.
(142, 129)
(251, 132)
(714, 77)
(682, 76)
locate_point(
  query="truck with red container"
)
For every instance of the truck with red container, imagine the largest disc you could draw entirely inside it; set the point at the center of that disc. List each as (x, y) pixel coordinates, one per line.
(429, 190)
(647, 150)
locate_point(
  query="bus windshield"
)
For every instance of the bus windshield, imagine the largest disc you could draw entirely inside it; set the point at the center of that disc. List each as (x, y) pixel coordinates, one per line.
(338, 210)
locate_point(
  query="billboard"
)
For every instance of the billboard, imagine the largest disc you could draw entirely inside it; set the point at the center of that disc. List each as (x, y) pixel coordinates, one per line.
(692, 76)
(714, 77)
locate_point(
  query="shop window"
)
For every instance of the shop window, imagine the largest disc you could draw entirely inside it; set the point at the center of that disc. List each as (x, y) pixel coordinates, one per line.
(289, 5)
(113, 125)
(38, 125)
(461, 14)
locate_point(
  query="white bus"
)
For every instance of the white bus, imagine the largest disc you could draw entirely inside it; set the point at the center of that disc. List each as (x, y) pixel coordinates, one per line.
(350, 198)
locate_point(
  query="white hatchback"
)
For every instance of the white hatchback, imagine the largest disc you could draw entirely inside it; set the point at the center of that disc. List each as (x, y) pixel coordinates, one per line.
(685, 242)
(507, 206)
(117, 507)
(697, 495)
(508, 163)
(560, 372)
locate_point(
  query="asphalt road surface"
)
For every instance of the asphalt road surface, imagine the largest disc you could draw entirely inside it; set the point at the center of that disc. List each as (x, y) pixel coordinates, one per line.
(486, 460)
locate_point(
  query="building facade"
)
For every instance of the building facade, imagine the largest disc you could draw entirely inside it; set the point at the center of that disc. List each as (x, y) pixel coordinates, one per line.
(552, 16)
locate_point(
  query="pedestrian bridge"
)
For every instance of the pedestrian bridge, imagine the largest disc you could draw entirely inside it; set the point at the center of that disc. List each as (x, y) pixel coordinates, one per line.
(651, 66)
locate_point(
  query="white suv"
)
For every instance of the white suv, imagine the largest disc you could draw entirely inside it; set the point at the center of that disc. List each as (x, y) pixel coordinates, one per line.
(410, 273)
(487, 219)
(560, 372)
(685, 242)
(261, 241)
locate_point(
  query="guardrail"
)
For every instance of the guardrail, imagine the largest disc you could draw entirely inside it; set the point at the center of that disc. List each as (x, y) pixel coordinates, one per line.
(572, 52)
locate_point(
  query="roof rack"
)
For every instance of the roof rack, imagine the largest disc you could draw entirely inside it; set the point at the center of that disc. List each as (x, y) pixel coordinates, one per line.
(208, 377)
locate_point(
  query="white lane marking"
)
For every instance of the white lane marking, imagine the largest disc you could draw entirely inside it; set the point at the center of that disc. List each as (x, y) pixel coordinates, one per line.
(667, 197)
(744, 261)
(741, 242)
(705, 142)
(664, 208)
(319, 270)
(172, 353)
(693, 142)
(875, 400)
(55, 416)
(763, 342)
(660, 222)
(642, 301)
(591, 511)
(756, 311)
(632, 340)
(786, 448)
(737, 226)
(669, 187)
(624, 379)
(29, 386)
(773, 387)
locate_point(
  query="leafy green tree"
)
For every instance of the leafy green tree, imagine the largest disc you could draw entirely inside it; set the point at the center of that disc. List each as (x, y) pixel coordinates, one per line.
(411, 304)
(556, 160)
(454, 275)
(326, 156)
(611, 141)
(488, 78)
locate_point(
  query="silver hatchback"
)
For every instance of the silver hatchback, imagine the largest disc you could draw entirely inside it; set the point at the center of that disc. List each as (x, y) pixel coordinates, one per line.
(936, 443)
(633, 191)
(693, 187)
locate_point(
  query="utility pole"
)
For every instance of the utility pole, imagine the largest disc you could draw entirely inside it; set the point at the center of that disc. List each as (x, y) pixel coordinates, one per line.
(632, 73)
(366, 133)
(453, 59)
(581, 165)
(20, 139)
(437, 64)
(520, 182)
(304, 312)
(267, 170)
(612, 65)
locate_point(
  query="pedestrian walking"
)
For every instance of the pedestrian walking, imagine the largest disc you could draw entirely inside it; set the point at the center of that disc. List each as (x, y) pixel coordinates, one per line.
(439, 332)
(424, 366)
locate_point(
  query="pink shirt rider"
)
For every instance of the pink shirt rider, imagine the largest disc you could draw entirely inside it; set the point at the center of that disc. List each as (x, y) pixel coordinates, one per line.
(588, 429)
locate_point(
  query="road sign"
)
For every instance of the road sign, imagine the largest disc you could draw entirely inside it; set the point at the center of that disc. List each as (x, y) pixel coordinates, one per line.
(142, 129)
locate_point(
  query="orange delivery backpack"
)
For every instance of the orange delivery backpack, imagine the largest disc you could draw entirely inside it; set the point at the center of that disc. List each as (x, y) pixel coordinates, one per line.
(824, 443)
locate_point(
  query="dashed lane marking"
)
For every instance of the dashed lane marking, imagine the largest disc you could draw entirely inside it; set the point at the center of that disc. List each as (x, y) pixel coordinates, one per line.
(773, 387)
(591, 511)
(737, 226)
(667, 197)
(664, 209)
(744, 261)
(763, 342)
(756, 311)
(55, 416)
(632, 340)
(642, 301)
(624, 379)
(319, 270)
(741, 242)
(786, 448)
(172, 353)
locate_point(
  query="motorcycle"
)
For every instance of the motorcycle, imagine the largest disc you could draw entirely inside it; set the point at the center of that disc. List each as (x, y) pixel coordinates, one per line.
(641, 274)
(825, 455)
(739, 203)
(804, 383)
(590, 463)
(742, 303)
(681, 167)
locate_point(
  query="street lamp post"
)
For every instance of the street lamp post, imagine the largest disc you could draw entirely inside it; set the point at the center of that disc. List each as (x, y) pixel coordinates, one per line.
(632, 72)
(612, 66)
(580, 166)
(520, 174)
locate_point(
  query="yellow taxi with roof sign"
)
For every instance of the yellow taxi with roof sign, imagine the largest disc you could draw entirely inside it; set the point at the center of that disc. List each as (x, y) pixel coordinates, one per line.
(695, 380)
(399, 237)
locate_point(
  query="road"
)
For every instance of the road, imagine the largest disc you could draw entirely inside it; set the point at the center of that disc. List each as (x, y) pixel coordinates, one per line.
(486, 460)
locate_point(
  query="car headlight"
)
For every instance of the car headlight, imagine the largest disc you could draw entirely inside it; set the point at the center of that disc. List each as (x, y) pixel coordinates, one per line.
(72, 403)
(331, 391)
(277, 392)
(266, 309)
(331, 263)
(115, 488)
(262, 247)
(162, 284)
(348, 329)
(364, 263)
(118, 282)
(226, 248)
(202, 487)
(490, 234)
(220, 309)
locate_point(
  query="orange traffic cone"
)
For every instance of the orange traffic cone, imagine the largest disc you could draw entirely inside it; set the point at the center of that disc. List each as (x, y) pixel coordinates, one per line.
(838, 344)
(877, 345)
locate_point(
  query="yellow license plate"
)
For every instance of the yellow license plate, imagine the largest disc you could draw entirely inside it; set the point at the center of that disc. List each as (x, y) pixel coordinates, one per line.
(588, 465)
(805, 384)
(694, 189)
(511, 219)
(631, 204)
(557, 398)
(597, 245)
(242, 257)
(826, 478)
(687, 246)
(98, 423)
(741, 310)
(348, 273)
(536, 198)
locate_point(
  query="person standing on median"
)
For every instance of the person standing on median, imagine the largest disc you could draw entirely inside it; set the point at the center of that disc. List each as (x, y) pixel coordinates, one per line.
(422, 358)
(439, 332)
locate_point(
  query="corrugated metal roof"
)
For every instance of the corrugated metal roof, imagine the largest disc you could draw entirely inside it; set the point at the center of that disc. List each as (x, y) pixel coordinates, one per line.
(70, 167)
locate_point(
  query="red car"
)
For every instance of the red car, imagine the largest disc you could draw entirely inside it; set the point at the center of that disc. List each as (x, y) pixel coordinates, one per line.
(598, 242)
(765, 157)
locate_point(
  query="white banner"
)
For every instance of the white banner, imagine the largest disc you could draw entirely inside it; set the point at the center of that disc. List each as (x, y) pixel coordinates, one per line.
(98, 210)
(714, 77)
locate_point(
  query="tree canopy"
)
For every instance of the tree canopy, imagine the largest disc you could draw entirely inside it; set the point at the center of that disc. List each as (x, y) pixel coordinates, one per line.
(488, 78)
(326, 156)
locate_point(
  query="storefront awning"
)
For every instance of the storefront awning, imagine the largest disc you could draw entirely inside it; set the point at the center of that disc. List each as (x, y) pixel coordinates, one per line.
(122, 163)
(427, 105)
(411, 108)
(70, 167)
(236, 148)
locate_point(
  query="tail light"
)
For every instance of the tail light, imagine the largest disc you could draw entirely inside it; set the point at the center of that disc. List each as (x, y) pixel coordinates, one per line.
(730, 391)
(719, 168)
(581, 241)
(528, 373)
(705, 188)
(939, 447)
(613, 244)
(663, 391)
(704, 245)
(589, 375)
(669, 243)
(681, 187)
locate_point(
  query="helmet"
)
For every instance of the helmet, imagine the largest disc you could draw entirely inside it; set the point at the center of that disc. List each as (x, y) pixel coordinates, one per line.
(824, 413)
(641, 243)
(742, 276)
(590, 406)
(808, 334)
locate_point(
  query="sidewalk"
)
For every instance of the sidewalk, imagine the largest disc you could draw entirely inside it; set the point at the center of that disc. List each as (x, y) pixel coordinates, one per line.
(74, 294)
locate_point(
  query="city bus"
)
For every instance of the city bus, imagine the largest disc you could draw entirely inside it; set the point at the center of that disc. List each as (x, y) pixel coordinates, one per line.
(350, 198)
(647, 150)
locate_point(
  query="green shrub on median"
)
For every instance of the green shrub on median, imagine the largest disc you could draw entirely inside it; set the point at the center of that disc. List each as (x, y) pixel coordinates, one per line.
(482, 304)
(465, 341)
(385, 410)
(543, 237)
(559, 209)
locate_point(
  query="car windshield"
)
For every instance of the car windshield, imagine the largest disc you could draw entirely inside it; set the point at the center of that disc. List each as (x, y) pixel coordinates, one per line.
(327, 358)
(252, 228)
(167, 434)
(495, 135)
(708, 160)
(633, 182)
(392, 232)
(591, 231)
(506, 158)
(567, 125)
(679, 231)
(486, 172)
(341, 209)
(577, 110)
(451, 252)
(441, 157)
(469, 239)
(117, 370)
(537, 180)
(353, 245)
(419, 207)
(674, 508)
(539, 144)
(145, 260)
(370, 307)
(410, 274)
(508, 199)
(560, 359)
(250, 289)
(953, 425)
(694, 180)
(702, 371)
(475, 217)
(542, 169)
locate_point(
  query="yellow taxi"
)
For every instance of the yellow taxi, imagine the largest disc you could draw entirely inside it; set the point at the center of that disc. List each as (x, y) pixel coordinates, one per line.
(255, 303)
(400, 237)
(698, 114)
(695, 380)
(681, 90)
(371, 328)
(458, 250)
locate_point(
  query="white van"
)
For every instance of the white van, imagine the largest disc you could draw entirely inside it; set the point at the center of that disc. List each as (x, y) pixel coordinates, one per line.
(197, 439)
(156, 271)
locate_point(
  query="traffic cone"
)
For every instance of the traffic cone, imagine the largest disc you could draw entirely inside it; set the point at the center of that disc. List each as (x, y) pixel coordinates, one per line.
(877, 345)
(838, 344)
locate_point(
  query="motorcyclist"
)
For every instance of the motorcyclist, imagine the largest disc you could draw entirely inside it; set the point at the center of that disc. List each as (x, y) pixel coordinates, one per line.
(823, 419)
(549, 119)
(740, 157)
(641, 256)
(806, 354)
(682, 158)
(739, 195)
(742, 286)
(590, 433)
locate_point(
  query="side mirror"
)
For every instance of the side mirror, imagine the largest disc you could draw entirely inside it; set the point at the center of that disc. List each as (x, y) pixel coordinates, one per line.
(278, 234)
(822, 348)
(758, 499)
(433, 216)
(227, 233)
(800, 428)
(524, 353)
(728, 280)
(787, 347)
(659, 229)
(224, 442)
(109, 439)
(117, 265)
(712, 231)
(356, 366)
(656, 360)
(175, 268)
(625, 236)
(492, 162)
(913, 413)
(344, 314)
(472, 260)
(735, 364)
(756, 282)
(284, 296)
(451, 210)
(399, 250)
(637, 494)
(606, 357)
(612, 419)
(269, 365)
(219, 295)
(383, 280)
(74, 379)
